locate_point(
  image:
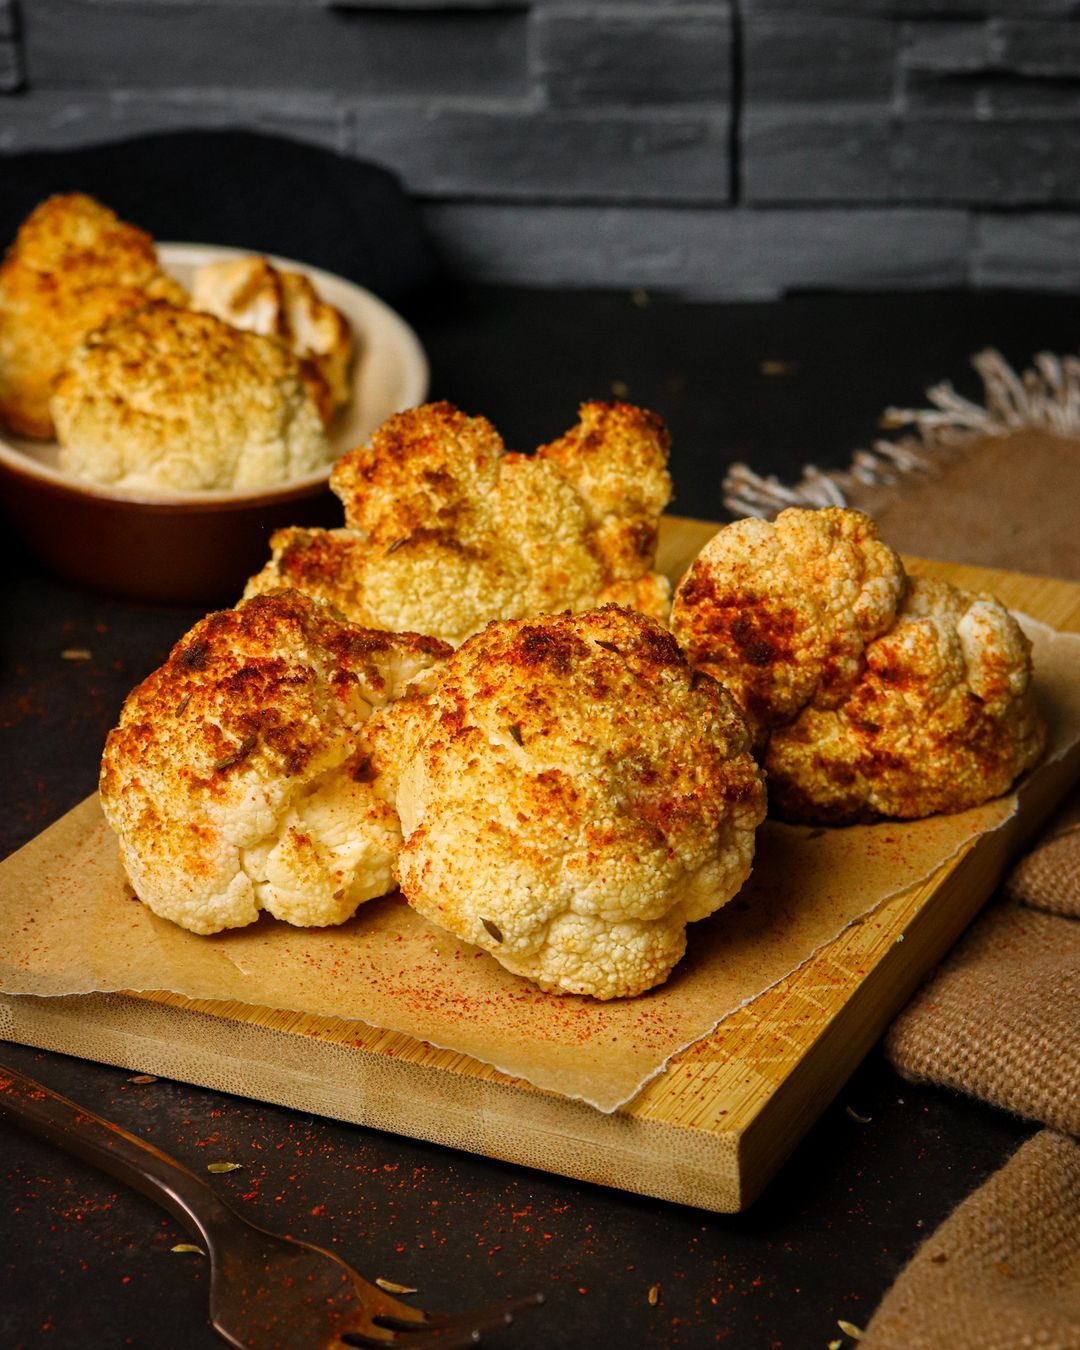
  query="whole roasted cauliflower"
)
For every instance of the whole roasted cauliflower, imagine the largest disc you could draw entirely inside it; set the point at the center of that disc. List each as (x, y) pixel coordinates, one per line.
(164, 398)
(242, 777)
(871, 694)
(941, 718)
(73, 266)
(571, 796)
(446, 531)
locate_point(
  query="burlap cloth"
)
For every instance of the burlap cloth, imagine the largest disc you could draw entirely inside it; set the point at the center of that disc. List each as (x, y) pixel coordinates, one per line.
(994, 482)
(1003, 1271)
(1005, 501)
(1000, 1020)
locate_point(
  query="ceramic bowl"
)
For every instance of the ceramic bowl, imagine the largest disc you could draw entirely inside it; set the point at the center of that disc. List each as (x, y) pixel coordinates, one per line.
(200, 547)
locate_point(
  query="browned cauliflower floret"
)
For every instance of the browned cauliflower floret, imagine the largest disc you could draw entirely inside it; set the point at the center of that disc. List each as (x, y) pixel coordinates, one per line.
(571, 796)
(241, 776)
(942, 718)
(251, 293)
(781, 613)
(445, 531)
(73, 266)
(164, 398)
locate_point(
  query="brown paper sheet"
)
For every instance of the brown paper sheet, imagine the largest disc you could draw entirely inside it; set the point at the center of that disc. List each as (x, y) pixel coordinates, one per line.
(69, 924)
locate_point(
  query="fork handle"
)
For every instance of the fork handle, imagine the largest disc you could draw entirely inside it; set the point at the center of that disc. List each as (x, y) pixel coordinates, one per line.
(38, 1109)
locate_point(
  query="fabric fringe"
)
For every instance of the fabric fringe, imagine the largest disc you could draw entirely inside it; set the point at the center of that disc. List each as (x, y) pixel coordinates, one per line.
(1046, 397)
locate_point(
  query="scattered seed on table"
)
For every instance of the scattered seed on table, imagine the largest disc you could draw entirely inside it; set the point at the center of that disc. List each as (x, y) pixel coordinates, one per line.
(392, 1287)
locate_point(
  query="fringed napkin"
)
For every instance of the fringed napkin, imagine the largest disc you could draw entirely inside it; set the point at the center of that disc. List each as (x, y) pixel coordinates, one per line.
(993, 483)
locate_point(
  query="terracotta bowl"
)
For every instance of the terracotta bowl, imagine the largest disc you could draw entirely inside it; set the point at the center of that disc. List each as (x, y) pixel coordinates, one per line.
(200, 547)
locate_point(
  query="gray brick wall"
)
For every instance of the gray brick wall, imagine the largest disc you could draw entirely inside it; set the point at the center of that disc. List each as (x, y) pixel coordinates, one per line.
(713, 147)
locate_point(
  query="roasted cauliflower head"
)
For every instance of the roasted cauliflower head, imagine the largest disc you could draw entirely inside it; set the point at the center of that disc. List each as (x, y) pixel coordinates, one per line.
(941, 718)
(445, 531)
(251, 293)
(871, 694)
(571, 795)
(242, 776)
(73, 266)
(781, 613)
(169, 399)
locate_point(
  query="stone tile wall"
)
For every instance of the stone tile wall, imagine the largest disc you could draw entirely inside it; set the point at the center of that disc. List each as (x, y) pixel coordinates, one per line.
(713, 147)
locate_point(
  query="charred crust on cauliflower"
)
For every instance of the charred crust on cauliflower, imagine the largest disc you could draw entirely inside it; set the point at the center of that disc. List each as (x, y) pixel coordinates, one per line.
(169, 398)
(571, 796)
(72, 266)
(246, 772)
(446, 530)
(942, 718)
(781, 612)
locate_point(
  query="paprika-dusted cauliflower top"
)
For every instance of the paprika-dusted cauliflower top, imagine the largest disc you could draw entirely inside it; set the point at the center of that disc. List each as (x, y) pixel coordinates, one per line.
(241, 776)
(253, 294)
(942, 718)
(73, 266)
(780, 613)
(168, 399)
(446, 531)
(572, 794)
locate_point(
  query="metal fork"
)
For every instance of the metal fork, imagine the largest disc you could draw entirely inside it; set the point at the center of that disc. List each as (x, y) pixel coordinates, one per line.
(266, 1291)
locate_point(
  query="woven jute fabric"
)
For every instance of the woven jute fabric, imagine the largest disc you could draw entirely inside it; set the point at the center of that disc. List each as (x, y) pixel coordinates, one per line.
(1000, 1020)
(1001, 1017)
(1003, 501)
(1049, 877)
(1003, 1271)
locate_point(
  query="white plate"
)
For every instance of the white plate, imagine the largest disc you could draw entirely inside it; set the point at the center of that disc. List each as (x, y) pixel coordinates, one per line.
(391, 374)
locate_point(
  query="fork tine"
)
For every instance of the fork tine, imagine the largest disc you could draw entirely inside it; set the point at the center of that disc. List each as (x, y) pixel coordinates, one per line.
(493, 1315)
(470, 1324)
(450, 1339)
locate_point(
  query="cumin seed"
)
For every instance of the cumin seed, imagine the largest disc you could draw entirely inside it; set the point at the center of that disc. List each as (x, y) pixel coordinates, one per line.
(243, 749)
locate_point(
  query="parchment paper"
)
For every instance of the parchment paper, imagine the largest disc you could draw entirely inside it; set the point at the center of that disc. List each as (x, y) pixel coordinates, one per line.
(70, 924)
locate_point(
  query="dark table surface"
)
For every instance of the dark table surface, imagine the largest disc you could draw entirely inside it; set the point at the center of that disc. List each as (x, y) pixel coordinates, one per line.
(87, 1264)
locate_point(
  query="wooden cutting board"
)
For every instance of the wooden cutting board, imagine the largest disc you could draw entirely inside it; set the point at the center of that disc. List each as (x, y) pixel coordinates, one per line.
(709, 1132)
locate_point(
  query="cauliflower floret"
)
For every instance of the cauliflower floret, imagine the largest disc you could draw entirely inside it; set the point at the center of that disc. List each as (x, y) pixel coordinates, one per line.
(168, 398)
(781, 613)
(571, 796)
(245, 774)
(942, 718)
(252, 294)
(73, 266)
(445, 531)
